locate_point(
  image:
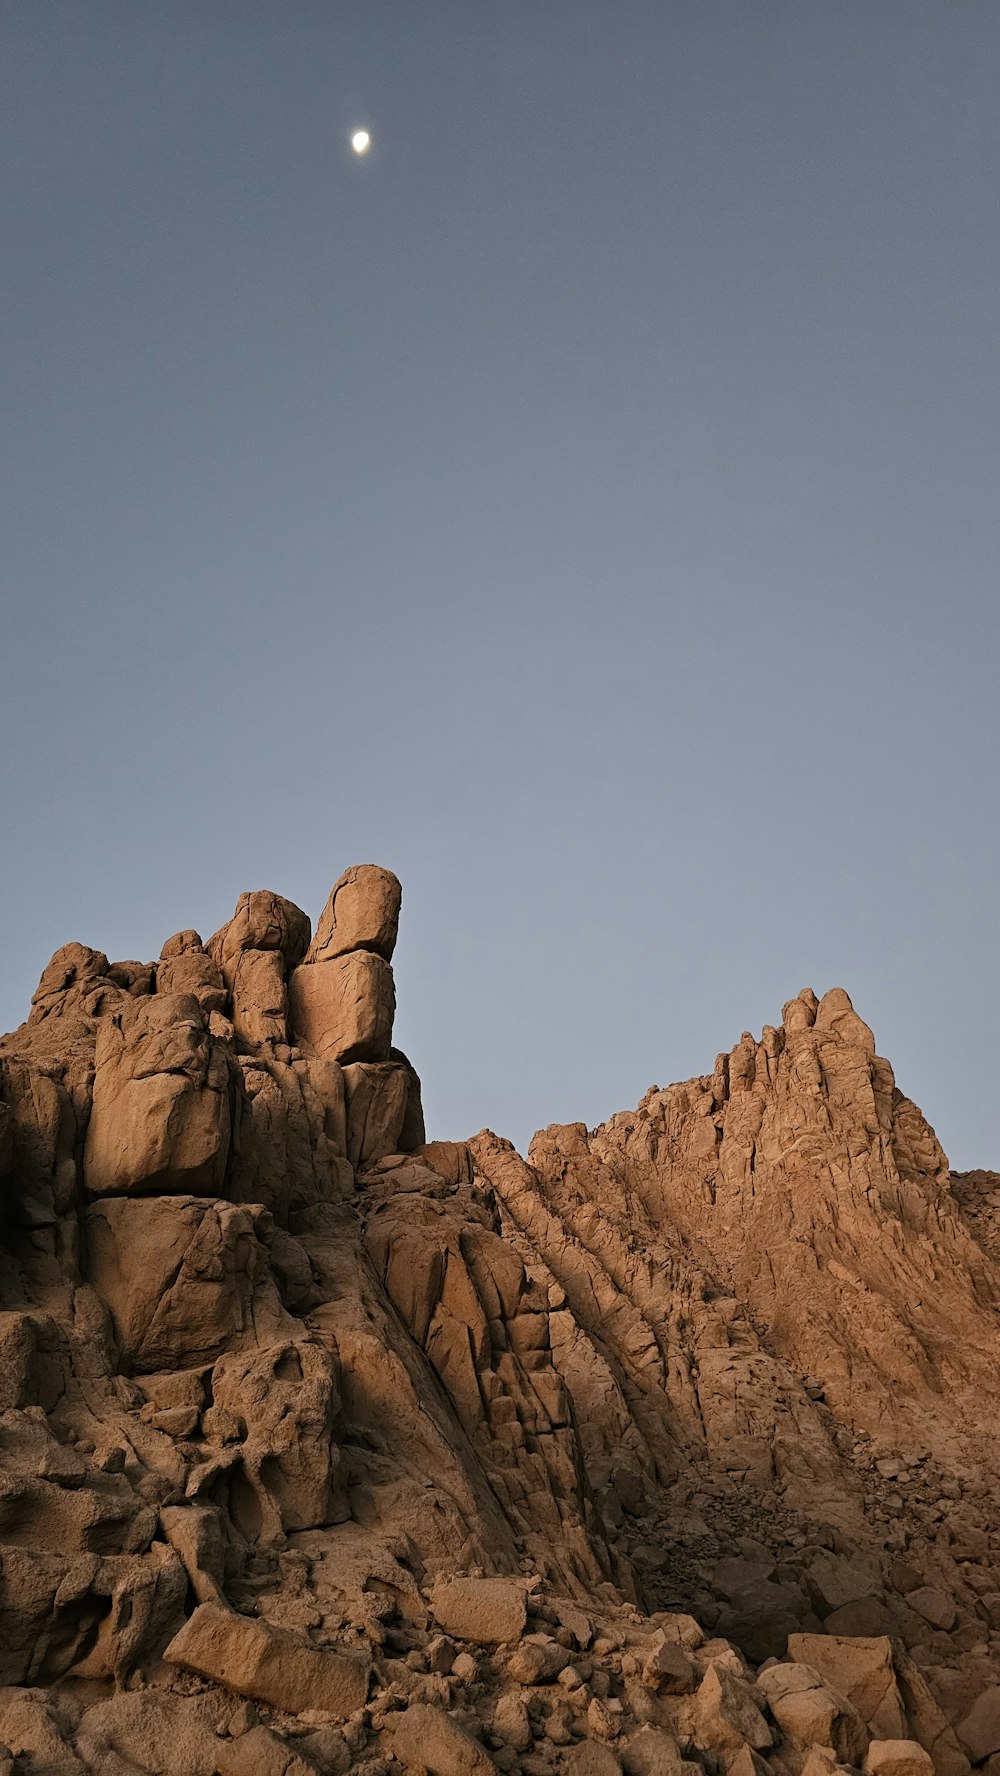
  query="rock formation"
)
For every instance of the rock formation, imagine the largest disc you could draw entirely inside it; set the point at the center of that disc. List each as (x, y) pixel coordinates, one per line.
(322, 1446)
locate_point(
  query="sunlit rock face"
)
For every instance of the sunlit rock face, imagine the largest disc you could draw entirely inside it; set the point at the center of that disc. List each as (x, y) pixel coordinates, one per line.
(321, 1441)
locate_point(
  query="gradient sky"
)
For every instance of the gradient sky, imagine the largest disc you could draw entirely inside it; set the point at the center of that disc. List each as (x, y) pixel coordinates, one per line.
(586, 506)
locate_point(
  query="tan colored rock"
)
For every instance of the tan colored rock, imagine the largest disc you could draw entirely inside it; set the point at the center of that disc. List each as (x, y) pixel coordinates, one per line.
(726, 1715)
(862, 1670)
(590, 1758)
(927, 1722)
(161, 1114)
(260, 999)
(182, 1276)
(897, 1757)
(668, 1670)
(362, 913)
(76, 981)
(376, 1096)
(262, 921)
(811, 1714)
(452, 1160)
(152, 1731)
(425, 1739)
(285, 1394)
(197, 1534)
(491, 1611)
(343, 1009)
(652, 1751)
(185, 967)
(261, 1752)
(511, 1722)
(258, 1661)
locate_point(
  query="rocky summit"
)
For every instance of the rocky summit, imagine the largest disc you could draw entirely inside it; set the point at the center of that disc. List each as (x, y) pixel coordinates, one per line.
(669, 1447)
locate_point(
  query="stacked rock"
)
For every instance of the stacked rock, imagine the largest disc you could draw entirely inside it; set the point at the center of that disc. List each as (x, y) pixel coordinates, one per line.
(341, 1007)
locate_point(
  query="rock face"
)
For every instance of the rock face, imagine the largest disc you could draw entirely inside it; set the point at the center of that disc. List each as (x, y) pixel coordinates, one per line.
(670, 1447)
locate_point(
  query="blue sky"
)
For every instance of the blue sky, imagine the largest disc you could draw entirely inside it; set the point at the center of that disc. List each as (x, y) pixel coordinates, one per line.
(586, 506)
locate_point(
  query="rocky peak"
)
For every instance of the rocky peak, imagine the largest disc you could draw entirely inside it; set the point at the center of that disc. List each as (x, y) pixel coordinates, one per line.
(323, 1446)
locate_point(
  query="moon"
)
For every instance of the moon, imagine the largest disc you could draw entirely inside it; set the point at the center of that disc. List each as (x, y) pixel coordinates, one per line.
(361, 141)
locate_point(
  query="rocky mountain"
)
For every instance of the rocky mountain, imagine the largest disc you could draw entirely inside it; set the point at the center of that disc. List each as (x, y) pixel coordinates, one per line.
(325, 1446)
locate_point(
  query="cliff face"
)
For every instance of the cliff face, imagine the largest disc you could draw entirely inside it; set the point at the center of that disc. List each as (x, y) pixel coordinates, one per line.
(295, 1403)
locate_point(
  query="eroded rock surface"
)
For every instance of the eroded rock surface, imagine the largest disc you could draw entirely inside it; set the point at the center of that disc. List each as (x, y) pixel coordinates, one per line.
(668, 1448)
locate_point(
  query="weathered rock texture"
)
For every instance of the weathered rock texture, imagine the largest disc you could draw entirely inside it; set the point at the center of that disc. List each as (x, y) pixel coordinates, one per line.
(324, 1446)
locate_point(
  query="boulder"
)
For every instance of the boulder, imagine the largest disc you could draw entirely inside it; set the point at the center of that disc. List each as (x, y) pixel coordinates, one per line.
(161, 1116)
(260, 999)
(652, 1751)
(979, 1728)
(141, 1726)
(427, 1740)
(260, 1753)
(590, 1758)
(262, 921)
(491, 1611)
(182, 1277)
(375, 1096)
(726, 1715)
(862, 1670)
(897, 1757)
(362, 913)
(268, 1665)
(811, 1714)
(185, 967)
(343, 1009)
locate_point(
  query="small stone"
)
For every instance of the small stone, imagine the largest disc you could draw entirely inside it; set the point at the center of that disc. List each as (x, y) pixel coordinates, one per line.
(440, 1654)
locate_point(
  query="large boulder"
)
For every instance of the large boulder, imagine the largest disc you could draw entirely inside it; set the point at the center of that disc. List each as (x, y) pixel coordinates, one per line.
(262, 921)
(161, 1118)
(376, 1094)
(362, 913)
(182, 1277)
(862, 1670)
(343, 1009)
(269, 1665)
(811, 1713)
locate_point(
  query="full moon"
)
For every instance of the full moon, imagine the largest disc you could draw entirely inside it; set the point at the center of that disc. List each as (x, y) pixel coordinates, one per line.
(361, 141)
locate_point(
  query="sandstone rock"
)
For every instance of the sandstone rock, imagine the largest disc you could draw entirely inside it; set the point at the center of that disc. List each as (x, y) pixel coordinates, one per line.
(261, 1752)
(262, 921)
(285, 1394)
(511, 1722)
(668, 1670)
(934, 1605)
(161, 1114)
(491, 1611)
(376, 1096)
(258, 1661)
(260, 1000)
(589, 1758)
(862, 1670)
(182, 1276)
(185, 968)
(651, 1752)
(362, 913)
(726, 1715)
(343, 1009)
(75, 980)
(152, 1732)
(424, 1739)
(811, 1714)
(979, 1729)
(897, 1757)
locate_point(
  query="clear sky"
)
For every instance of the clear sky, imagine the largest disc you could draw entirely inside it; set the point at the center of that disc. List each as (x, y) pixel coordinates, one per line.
(586, 505)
